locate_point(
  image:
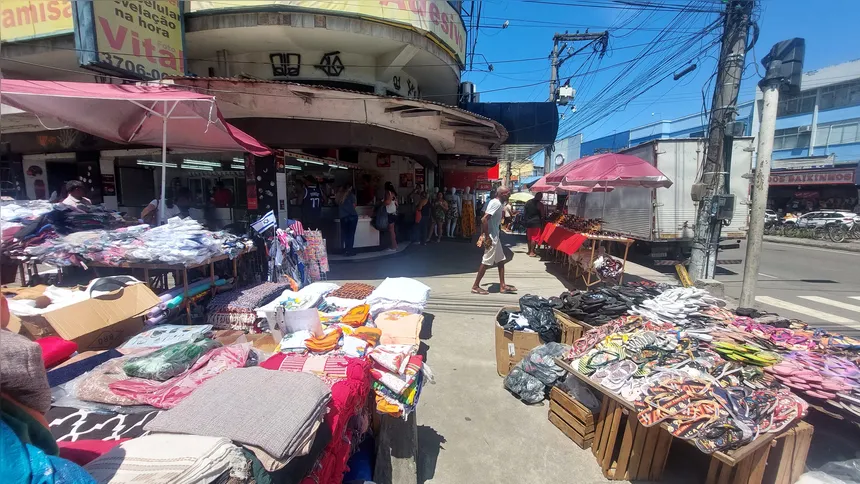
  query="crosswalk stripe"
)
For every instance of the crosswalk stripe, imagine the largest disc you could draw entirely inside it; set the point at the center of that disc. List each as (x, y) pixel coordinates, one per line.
(772, 301)
(831, 302)
(855, 297)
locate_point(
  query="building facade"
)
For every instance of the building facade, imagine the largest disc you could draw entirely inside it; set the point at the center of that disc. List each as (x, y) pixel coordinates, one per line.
(816, 149)
(372, 87)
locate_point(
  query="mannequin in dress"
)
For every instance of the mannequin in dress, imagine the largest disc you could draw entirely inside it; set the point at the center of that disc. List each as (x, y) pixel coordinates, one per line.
(455, 207)
(467, 214)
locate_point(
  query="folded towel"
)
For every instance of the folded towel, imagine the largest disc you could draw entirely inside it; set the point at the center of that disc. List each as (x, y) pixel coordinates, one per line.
(174, 459)
(273, 410)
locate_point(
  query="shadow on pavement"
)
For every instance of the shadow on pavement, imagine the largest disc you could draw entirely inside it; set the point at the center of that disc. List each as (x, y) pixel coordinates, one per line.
(429, 444)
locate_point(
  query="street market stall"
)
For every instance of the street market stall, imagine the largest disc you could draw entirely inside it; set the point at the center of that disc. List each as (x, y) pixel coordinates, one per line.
(587, 249)
(311, 398)
(658, 363)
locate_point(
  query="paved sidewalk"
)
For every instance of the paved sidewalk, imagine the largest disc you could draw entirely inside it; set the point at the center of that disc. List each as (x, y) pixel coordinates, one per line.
(470, 429)
(847, 246)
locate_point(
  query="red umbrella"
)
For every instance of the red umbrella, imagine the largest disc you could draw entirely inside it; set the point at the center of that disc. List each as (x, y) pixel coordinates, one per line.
(609, 169)
(542, 186)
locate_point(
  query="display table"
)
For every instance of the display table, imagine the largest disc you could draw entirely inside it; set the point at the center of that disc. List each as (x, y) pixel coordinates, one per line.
(589, 275)
(180, 271)
(644, 450)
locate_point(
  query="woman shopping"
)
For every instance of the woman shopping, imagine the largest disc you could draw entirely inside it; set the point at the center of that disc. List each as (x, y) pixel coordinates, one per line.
(422, 219)
(346, 202)
(440, 210)
(391, 209)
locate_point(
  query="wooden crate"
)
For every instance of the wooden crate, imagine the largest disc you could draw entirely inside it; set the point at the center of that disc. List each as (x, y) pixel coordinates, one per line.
(626, 450)
(574, 419)
(781, 462)
(571, 329)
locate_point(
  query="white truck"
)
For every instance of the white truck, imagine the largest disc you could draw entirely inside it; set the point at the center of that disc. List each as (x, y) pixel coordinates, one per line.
(661, 220)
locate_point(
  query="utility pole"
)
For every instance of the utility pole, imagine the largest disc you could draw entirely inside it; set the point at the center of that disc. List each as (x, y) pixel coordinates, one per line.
(784, 66)
(555, 64)
(723, 112)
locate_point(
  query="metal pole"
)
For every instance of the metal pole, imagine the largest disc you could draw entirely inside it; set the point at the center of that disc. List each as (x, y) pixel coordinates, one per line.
(723, 113)
(553, 82)
(161, 202)
(759, 196)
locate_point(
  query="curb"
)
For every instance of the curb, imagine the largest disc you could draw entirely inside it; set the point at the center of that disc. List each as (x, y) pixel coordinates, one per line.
(845, 246)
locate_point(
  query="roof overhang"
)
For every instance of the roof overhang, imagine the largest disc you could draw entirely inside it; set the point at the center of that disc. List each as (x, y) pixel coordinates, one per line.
(449, 130)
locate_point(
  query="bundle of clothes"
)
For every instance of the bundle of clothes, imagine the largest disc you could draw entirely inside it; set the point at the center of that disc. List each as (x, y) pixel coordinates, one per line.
(536, 315)
(178, 242)
(28, 223)
(236, 309)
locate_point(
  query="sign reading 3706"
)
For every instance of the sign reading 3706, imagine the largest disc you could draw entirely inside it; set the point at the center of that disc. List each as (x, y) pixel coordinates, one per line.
(128, 64)
(133, 38)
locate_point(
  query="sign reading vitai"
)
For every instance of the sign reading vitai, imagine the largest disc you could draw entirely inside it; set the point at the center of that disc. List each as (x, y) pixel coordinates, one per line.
(814, 177)
(133, 38)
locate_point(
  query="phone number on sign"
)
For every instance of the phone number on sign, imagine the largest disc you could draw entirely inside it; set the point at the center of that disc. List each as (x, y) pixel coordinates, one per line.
(131, 66)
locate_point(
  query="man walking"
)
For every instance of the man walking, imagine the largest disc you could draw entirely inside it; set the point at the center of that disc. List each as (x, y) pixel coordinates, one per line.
(491, 243)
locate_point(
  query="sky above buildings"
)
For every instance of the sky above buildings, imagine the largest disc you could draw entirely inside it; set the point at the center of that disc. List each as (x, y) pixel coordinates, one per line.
(618, 92)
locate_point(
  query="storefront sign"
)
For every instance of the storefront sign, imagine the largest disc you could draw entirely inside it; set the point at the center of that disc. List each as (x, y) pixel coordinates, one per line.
(419, 176)
(437, 18)
(814, 177)
(33, 19)
(133, 38)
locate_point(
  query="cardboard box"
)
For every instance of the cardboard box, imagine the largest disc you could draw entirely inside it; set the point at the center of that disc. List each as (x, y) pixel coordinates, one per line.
(99, 323)
(512, 346)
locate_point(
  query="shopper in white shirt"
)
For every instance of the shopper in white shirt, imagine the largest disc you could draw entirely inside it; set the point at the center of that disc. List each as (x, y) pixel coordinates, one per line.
(491, 243)
(77, 194)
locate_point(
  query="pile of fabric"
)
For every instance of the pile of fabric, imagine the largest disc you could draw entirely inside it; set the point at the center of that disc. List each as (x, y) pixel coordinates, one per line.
(237, 309)
(178, 242)
(26, 224)
(400, 293)
(715, 377)
(193, 403)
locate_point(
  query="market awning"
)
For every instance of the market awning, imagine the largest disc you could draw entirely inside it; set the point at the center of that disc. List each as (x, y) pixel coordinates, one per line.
(131, 114)
(609, 169)
(529, 180)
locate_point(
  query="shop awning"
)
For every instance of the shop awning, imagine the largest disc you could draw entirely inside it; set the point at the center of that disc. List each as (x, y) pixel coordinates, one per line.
(131, 114)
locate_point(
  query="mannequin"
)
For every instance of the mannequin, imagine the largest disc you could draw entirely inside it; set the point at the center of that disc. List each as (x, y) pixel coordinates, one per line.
(455, 208)
(467, 214)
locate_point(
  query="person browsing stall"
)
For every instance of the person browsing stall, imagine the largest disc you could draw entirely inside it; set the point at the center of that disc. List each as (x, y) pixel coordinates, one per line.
(348, 216)
(491, 243)
(534, 215)
(77, 192)
(391, 208)
(223, 197)
(312, 204)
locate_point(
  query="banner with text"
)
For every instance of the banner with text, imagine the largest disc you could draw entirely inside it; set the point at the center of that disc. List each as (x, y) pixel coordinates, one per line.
(132, 38)
(814, 177)
(34, 19)
(435, 17)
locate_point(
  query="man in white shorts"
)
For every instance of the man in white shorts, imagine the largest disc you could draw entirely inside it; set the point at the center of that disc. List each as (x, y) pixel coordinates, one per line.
(490, 242)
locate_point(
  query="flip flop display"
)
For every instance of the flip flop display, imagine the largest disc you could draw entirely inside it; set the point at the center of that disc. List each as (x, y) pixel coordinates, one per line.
(711, 375)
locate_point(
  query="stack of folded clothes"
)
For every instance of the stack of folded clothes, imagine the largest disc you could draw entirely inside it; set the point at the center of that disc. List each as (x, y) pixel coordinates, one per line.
(236, 309)
(249, 406)
(167, 458)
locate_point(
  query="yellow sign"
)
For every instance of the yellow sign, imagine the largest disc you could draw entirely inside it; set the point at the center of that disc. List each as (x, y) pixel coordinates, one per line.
(32, 19)
(435, 17)
(142, 37)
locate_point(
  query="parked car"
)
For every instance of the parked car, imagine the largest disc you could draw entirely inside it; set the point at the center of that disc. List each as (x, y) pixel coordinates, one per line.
(823, 218)
(770, 216)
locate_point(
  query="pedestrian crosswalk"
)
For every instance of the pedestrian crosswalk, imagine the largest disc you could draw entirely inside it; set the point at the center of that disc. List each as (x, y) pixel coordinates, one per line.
(817, 309)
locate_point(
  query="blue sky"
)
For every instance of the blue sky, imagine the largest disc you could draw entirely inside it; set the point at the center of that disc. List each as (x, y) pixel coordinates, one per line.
(829, 27)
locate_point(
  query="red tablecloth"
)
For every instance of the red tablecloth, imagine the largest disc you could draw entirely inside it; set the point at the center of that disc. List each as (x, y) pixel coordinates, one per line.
(562, 239)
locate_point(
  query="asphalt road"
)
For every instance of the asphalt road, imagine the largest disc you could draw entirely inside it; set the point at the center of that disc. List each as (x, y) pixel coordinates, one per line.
(819, 286)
